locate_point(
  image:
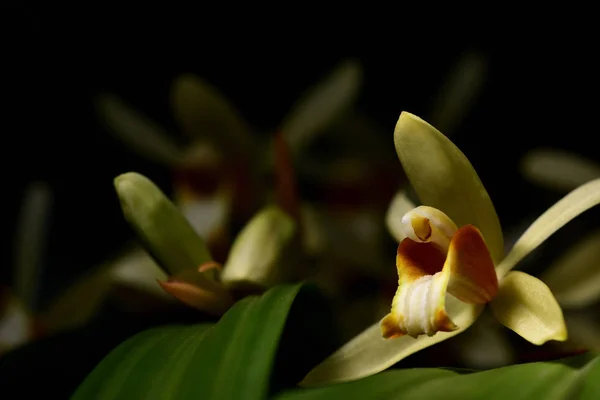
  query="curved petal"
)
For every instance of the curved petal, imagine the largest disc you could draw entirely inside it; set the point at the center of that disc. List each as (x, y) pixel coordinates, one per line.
(558, 169)
(445, 179)
(137, 131)
(368, 353)
(204, 113)
(575, 277)
(526, 305)
(256, 255)
(165, 232)
(399, 206)
(322, 106)
(579, 200)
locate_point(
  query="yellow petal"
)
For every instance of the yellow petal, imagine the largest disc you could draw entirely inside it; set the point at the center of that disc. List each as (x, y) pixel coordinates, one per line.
(195, 289)
(569, 207)
(526, 305)
(461, 88)
(322, 106)
(425, 273)
(368, 353)
(575, 277)
(203, 112)
(558, 169)
(164, 231)
(137, 131)
(444, 179)
(256, 256)
(399, 206)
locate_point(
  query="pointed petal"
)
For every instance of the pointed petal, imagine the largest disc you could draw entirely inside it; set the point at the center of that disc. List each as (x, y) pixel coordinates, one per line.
(461, 88)
(204, 113)
(445, 179)
(256, 256)
(575, 277)
(579, 200)
(322, 106)
(135, 130)
(368, 353)
(526, 305)
(165, 232)
(399, 206)
(558, 169)
(419, 304)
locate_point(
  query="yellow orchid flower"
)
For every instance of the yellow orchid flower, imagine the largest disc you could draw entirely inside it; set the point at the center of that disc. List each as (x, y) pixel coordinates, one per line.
(452, 247)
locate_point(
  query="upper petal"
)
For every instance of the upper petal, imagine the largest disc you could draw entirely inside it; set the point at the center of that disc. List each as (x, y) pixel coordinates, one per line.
(444, 178)
(368, 353)
(526, 305)
(569, 207)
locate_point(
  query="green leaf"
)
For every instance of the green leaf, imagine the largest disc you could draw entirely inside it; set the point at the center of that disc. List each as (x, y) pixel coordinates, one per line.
(230, 360)
(572, 378)
(165, 232)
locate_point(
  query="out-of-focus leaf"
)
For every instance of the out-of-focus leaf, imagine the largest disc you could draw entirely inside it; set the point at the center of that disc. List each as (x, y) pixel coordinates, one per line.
(573, 378)
(30, 242)
(135, 130)
(230, 360)
(164, 231)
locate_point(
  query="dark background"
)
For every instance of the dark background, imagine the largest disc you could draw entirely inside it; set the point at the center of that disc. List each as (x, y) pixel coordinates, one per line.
(539, 92)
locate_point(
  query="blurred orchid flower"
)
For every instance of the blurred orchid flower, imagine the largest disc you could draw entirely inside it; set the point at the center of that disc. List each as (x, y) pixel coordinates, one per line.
(254, 262)
(458, 251)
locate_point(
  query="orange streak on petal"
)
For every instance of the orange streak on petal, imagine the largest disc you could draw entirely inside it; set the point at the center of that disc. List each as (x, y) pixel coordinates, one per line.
(214, 302)
(472, 274)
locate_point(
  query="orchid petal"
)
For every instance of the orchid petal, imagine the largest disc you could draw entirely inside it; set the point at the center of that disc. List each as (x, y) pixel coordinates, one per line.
(165, 232)
(203, 112)
(569, 207)
(399, 206)
(558, 169)
(461, 88)
(322, 106)
(445, 179)
(368, 353)
(526, 305)
(575, 277)
(137, 131)
(258, 250)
